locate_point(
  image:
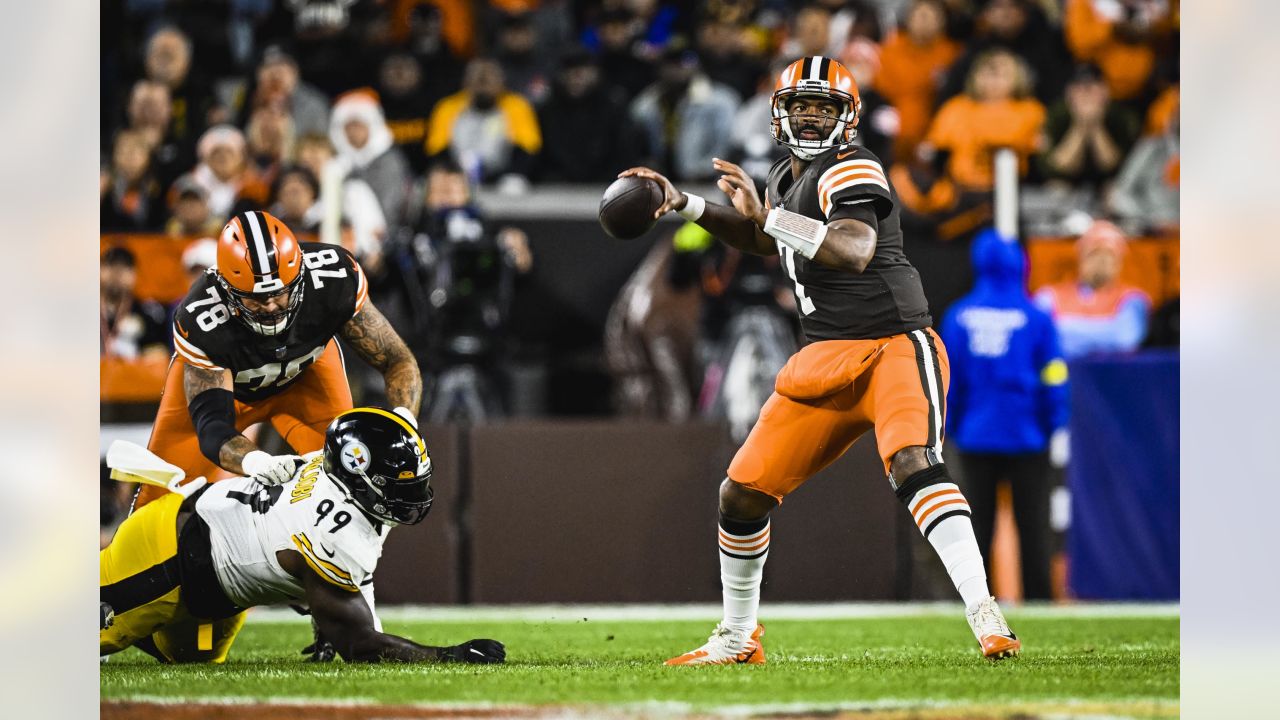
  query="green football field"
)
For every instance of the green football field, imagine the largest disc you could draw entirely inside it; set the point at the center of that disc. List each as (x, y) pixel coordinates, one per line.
(1095, 661)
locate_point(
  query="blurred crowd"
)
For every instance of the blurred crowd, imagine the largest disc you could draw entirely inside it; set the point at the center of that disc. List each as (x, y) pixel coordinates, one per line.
(333, 110)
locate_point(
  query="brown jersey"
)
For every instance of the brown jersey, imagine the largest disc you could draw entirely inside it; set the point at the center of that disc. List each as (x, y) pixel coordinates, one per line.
(886, 298)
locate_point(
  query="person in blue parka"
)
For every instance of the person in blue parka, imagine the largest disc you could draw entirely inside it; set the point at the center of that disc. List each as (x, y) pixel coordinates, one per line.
(1008, 401)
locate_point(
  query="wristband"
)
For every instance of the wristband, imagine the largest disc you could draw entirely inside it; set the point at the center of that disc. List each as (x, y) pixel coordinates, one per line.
(798, 232)
(693, 207)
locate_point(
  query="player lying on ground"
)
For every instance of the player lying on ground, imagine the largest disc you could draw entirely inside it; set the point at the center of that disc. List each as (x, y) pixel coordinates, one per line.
(872, 361)
(205, 553)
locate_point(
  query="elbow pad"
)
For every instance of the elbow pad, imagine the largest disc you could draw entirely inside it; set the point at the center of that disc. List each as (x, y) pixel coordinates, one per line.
(213, 412)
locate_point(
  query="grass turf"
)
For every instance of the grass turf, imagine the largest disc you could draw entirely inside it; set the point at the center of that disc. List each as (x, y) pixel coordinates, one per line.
(1116, 662)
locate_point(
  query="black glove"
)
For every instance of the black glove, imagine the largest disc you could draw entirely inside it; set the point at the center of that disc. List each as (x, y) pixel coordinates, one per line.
(475, 651)
(320, 650)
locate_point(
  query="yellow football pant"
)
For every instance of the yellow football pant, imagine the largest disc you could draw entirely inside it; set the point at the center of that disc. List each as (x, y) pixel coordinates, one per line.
(138, 577)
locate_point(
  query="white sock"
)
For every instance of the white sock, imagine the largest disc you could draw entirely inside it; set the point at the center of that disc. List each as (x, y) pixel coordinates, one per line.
(942, 514)
(743, 549)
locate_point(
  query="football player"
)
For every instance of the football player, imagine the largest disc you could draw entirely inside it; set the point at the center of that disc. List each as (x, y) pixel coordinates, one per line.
(254, 342)
(872, 362)
(207, 552)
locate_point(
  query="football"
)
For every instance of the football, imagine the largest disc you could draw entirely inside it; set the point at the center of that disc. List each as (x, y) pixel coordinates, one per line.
(628, 205)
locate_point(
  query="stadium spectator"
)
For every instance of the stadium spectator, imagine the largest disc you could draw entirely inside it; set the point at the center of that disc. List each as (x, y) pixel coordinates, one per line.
(620, 65)
(131, 329)
(879, 120)
(586, 134)
(425, 41)
(995, 111)
(131, 198)
(490, 131)
(1020, 27)
(1146, 193)
(190, 216)
(270, 137)
(168, 61)
(1097, 313)
(1162, 111)
(524, 65)
(1007, 400)
(345, 201)
(751, 145)
(223, 171)
(199, 257)
(294, 197)
(913, 62)
(280, 85)
(1120, 37)
(407, 105)
(150, 112)
(366, 151)
(720, 50)
(810, 33)
(1086, 135)
(684, 118)
(851, 19)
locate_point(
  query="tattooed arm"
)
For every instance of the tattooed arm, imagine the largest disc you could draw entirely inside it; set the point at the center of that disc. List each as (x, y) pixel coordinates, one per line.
(213, 415)
(374, 340)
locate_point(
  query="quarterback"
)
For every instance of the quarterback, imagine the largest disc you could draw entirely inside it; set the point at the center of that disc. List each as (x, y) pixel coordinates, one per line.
(254, 341)
(204, 553)
(872, 361)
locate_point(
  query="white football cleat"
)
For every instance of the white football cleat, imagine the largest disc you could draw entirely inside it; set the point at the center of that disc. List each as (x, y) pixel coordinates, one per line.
(726, 646)
(991, 630)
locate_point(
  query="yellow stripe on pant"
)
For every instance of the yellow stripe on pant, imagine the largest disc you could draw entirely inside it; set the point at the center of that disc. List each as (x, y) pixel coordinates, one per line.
(138, 576)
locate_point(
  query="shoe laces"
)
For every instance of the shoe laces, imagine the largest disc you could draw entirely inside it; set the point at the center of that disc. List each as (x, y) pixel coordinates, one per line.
(989, 620)
(723, 635)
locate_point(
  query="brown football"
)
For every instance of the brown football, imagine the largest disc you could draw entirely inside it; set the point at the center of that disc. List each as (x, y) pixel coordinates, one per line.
(628, 205)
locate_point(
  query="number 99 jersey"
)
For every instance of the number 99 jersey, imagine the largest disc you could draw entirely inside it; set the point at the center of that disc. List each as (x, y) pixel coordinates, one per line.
(249, 522)
(207, 335)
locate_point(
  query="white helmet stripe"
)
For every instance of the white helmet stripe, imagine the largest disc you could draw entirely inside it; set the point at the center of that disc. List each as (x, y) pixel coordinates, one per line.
(815, 68)
(259, 246)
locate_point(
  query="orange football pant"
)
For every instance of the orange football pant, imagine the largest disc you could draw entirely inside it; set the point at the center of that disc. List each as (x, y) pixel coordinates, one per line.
(300, 413)
(830, 393)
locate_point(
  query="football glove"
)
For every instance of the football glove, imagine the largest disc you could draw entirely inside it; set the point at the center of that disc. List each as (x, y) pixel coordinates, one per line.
(476, 651)
(270, 469)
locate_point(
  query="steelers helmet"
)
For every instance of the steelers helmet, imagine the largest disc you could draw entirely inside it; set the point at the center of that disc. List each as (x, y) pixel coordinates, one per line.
(382, 464)
(258, 259)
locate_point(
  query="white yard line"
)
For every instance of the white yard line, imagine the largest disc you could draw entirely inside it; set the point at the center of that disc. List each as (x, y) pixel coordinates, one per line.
(711, 612)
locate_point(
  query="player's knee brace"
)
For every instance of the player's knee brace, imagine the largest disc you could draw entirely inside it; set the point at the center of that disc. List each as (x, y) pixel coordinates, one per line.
(931, 497)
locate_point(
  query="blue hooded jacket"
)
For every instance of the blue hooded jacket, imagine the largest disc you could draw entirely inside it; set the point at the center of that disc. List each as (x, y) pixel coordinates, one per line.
(1008, 379)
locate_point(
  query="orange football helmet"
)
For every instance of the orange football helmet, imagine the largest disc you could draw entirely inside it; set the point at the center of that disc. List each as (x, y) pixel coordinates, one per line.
(259, 259)
(822, 77)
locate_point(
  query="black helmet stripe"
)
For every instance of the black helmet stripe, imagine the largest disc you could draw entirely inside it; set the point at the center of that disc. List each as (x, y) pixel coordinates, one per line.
(807, 68)
(262, 253)
(823, 68)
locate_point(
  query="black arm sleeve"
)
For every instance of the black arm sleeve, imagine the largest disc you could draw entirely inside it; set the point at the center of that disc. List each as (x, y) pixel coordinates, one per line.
(213, 412)
(861, 209)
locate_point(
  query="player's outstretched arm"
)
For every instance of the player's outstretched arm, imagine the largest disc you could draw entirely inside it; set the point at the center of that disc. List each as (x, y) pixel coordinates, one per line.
(343, 618)
(212, 407)
(726, 223)
(846, 244)
(374, 340)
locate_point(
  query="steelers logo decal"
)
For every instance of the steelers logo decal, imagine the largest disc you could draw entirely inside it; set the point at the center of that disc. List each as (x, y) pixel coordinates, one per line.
(355, 457)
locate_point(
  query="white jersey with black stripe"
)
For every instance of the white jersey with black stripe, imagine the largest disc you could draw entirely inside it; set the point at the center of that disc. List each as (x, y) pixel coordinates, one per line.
(250, 522)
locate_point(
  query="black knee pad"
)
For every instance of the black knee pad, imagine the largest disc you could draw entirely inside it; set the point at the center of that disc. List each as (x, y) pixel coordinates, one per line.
(742, 528)
(931, 475)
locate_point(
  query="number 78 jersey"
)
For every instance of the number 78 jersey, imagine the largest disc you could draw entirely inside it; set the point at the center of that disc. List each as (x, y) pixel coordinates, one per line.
(249, 523)
(206, 335)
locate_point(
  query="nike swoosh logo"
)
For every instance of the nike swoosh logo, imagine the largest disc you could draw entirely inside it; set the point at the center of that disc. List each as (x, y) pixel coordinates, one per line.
(843, 155)
(327, 550)
(476, 651)
(182, 330)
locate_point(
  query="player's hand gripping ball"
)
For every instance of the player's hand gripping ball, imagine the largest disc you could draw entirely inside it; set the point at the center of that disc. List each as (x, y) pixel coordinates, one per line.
(628, 207)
